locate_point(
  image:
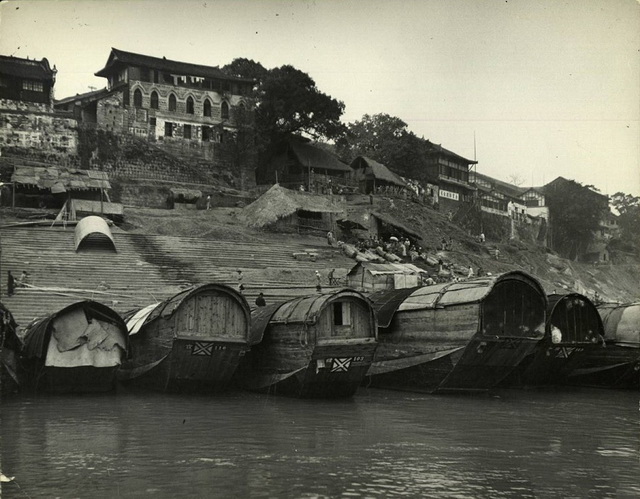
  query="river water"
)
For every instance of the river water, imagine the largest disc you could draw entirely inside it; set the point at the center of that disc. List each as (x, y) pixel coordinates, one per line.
(540, 443)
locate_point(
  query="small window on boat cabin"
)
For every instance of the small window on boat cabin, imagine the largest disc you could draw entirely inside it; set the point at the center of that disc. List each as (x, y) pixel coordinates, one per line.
(342, 313)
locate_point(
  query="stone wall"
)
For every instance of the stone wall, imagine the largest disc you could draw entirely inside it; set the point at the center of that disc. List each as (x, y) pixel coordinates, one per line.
(37, 128)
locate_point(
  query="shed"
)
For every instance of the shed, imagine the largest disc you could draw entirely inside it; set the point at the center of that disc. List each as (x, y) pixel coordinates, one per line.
(60, 184)
(286, 209)
(370, 277)
(371, 175)
(93, 232)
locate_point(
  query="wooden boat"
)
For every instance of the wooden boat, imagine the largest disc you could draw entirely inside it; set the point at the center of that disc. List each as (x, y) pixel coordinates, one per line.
(618, 364)
(312, 346)
(191, 342)
(574, 331)
(459, 336)
(77, 349)
(10, 347)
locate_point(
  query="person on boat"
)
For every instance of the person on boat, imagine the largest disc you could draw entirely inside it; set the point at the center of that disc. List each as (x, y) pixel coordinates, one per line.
(318, 281)
(260, 301)
(470, 273)
(209, 202)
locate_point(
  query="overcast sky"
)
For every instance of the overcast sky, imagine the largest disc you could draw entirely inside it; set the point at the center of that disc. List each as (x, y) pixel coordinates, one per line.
(548, 87)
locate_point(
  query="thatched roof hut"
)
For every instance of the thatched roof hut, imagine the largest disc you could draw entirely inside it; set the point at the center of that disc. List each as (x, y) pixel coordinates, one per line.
(281, 205)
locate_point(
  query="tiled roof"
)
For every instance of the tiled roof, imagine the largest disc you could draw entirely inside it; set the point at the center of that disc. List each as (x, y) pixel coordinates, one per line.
(164, 64)
(26, 68)
(447, 152)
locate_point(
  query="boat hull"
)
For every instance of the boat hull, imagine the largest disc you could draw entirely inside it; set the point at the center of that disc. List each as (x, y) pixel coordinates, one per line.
(330, 371)
(79, 379)
(611, 367)
(191, 366)
(479, 366)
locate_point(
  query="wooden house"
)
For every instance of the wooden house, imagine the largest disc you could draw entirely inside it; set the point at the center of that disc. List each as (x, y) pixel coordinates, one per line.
(371, 277)
(295, 163)
(191, 341)
(312, 346)
(574, 331)
(617, 365)
(26, 80)
(459, 336)
(372, 176)
(287, 210)
(77, 349)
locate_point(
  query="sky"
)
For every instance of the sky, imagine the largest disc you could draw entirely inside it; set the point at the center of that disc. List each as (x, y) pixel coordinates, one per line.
(531, 89)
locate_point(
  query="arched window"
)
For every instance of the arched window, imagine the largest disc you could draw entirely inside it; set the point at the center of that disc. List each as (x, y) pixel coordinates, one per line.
(137, 98)
(154, 100)
(172, 102)
(190, 106)
(224, 110)
(207, 107)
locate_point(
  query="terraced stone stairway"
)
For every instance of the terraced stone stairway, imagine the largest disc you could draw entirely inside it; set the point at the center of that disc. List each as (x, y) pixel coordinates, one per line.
(148, 268)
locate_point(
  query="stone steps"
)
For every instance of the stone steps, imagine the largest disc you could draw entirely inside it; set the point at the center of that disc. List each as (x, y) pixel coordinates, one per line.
(147, 268)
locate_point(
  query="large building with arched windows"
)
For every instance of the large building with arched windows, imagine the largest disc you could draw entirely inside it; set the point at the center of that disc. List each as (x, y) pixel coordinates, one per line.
(162, 100)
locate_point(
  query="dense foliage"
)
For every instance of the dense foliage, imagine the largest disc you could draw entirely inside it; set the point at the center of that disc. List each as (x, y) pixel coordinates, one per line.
(628, 207)
(386, 139)
(576, 212)
(287, 101)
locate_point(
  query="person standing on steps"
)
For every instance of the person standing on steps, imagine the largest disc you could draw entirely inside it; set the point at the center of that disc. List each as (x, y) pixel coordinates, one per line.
(11, 284)
(240, 283)
(260, 301)
(208, 202)
(318, 282)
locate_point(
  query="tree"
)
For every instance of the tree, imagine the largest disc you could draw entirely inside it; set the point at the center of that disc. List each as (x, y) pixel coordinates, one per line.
(628, 207)
(575, 212)
(386, 139)
(287, 101)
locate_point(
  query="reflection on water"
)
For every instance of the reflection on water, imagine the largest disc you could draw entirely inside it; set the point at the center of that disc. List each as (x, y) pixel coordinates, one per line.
(574, 443)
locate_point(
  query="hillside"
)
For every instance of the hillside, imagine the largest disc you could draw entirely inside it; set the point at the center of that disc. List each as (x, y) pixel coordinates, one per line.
(161, 251)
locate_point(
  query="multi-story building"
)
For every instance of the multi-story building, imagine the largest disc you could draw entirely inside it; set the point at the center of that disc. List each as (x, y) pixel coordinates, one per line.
(28, 122)
(164, 100)
(451, 172)
(26, 80)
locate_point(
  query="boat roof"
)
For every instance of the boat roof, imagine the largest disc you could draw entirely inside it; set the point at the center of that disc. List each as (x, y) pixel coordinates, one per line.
(387, 303)
(137, 319)
(38, 332)
(301, 310)
(621, 323)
